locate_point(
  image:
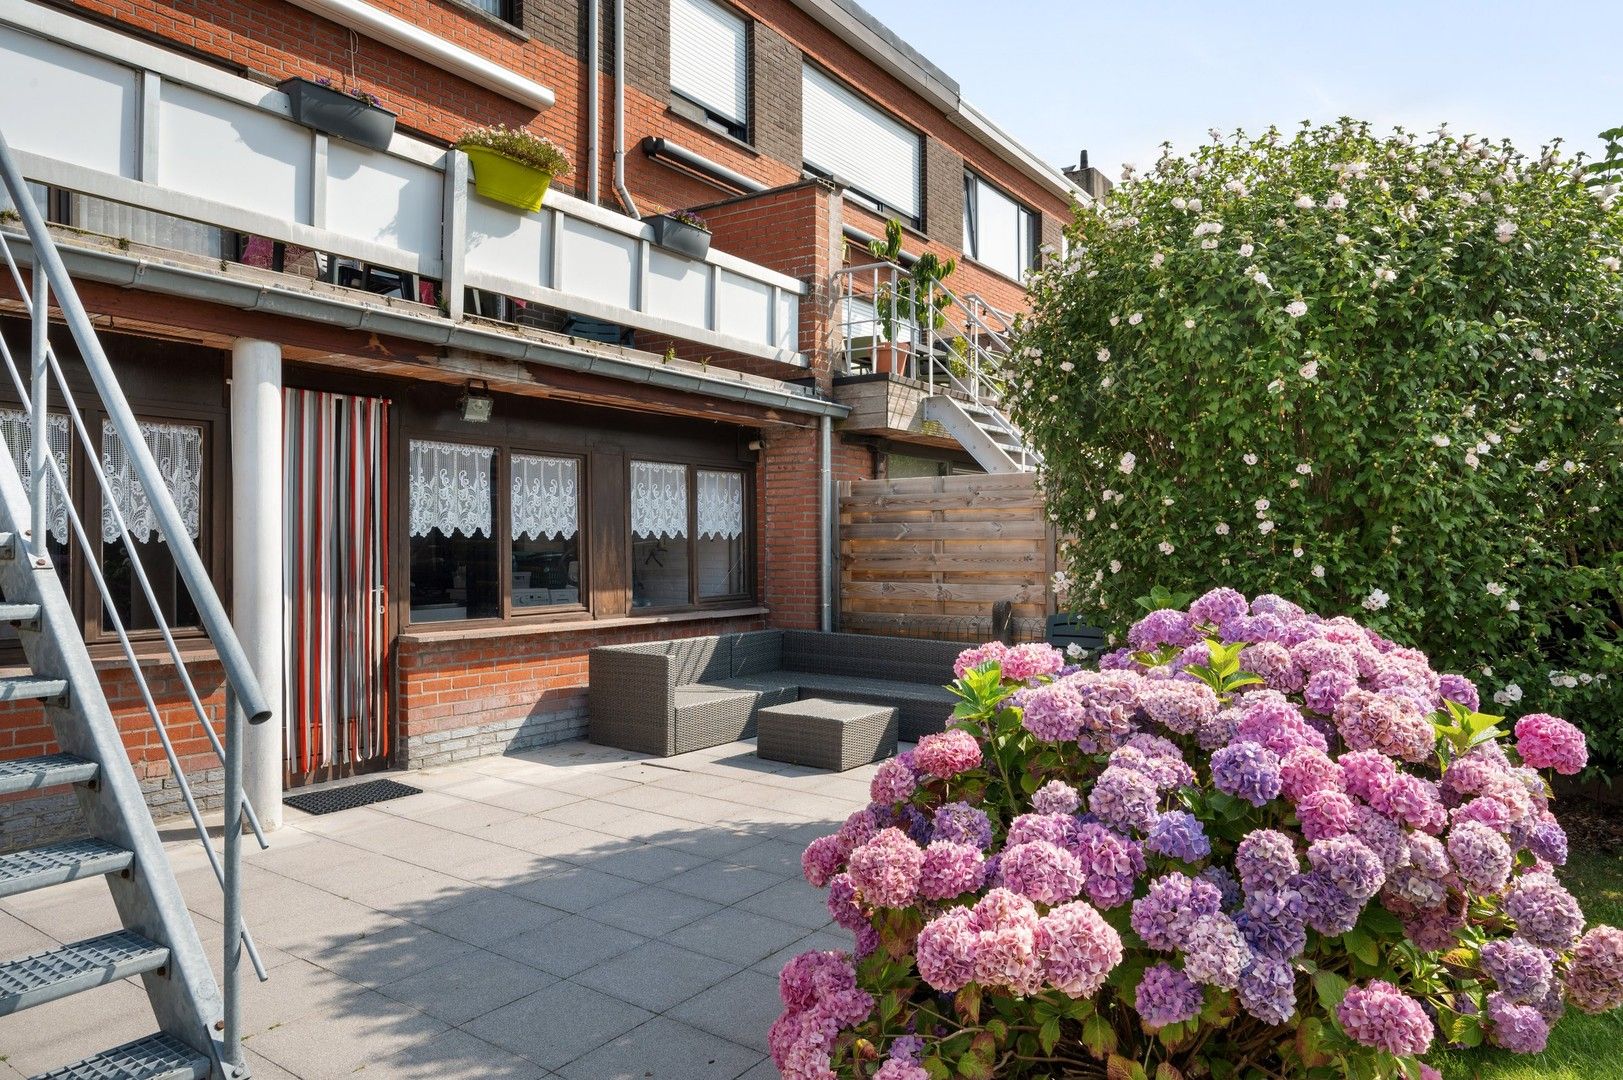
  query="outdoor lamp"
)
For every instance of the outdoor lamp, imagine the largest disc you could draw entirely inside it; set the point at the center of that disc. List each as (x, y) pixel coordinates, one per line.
(476, 404)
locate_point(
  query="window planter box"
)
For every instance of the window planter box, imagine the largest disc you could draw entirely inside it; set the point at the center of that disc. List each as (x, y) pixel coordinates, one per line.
(680, 237)
(338, 114)
(506, 180)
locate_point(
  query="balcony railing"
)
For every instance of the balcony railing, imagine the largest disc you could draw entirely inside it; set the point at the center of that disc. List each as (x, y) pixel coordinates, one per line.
(97, 113)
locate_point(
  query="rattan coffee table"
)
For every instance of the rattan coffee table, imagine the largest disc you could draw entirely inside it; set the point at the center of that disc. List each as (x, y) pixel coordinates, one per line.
(835, 735)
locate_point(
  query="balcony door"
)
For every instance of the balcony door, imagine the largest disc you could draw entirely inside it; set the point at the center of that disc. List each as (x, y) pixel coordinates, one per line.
(335, 580)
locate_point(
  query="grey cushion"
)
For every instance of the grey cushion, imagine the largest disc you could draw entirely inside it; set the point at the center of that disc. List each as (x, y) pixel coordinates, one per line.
(870, 656)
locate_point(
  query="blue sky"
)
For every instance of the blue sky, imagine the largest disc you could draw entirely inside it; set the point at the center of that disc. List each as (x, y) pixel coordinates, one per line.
(1119, 78)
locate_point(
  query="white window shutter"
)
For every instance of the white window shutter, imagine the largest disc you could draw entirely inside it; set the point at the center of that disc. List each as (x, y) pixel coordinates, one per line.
(851, 140)
(710, 57)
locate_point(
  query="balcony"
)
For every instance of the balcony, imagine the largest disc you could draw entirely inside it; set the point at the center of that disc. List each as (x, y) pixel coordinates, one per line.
(135, 133)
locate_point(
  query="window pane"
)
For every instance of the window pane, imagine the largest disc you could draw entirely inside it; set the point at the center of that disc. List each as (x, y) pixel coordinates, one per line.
(455, 556)
(177, 449)
(999, 234)
(659, 534)
(720, 552)
(545, 512)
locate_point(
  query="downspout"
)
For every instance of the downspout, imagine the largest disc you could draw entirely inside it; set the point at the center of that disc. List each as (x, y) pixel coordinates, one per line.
(825, 521)
(594, 93)
(620, 109)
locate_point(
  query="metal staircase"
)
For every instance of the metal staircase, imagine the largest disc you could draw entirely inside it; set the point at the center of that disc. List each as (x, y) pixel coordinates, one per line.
(197, 1030)
(957, 346)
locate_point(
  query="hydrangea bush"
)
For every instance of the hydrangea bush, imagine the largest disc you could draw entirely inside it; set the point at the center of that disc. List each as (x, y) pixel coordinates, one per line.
(1357, 371)
(1252, 843)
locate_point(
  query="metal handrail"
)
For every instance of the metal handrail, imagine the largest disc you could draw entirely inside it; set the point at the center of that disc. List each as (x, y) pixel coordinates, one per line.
(245, 699)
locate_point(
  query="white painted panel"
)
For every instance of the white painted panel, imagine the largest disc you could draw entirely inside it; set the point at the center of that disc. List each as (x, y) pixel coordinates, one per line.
(746, 308)
(598, 264)
(65, 104)
(508, 243)
(678, 288)
(788, 321)
(383, 199)
(234, 154)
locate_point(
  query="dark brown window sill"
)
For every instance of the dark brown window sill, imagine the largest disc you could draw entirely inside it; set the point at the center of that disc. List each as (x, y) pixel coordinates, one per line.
(573, 626)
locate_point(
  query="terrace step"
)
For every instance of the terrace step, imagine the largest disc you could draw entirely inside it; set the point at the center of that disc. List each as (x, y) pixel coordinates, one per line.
(156, 1057)
(30, 687)
(47, 770)
(64, 860)
(20, 613)
(72, 969)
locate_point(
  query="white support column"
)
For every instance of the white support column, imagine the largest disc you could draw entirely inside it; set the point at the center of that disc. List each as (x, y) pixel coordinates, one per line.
(256, 558)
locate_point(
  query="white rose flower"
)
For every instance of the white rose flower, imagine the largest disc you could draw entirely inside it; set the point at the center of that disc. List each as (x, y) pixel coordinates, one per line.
(1309, 370)
(1265, 527)
(1128, 460)
(1512, 605)
(1305, 469)
(1542, 466)
(1569, 466)
(1318, 570)
(1376, 600)
(1249, 459)
(1297, 552)
(1276, 386)
(1166, 500)
(1103, 355)
(1134, 319)
(1494, 588)
(1166, 548)
(1336, 201)
(1262, 504)
(1091, 514)
(1612, 263)
(1104, 383)
(1304, 202)
(1179, 202)
(1440, 440)
(1157, 259)
(1494, 438)
(1538, 354)
(1472, 460)
(1066, 366)
(1196, 204)
(1115, 320)
(1246, 250)
(1296, 309)
(1222, 528)
(1115, 566)
(1342, 239)
(1260, 278)
(1504, 231)
(1208, 244)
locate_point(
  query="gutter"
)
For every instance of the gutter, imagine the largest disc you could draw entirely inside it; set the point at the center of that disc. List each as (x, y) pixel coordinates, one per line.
(413, 40)
(130, 272)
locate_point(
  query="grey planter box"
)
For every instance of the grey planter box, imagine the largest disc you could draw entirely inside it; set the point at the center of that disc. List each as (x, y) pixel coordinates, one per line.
(680, 237)
(338, 114)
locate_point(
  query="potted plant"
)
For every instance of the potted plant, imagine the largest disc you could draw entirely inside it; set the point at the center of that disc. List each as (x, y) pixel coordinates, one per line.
(354, 115)
(511, 165)
(682, 231)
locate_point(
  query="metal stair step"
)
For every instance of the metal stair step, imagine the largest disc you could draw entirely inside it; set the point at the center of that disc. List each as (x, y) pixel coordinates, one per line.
(72, 969)
(19, 613)
(27, 687)
(49, 770)
(64, 860)
(156, 1057)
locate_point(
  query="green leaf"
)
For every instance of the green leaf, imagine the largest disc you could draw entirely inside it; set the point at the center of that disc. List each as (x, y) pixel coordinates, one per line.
(1048, 1035)
(1330, 988)
(1098, 1036)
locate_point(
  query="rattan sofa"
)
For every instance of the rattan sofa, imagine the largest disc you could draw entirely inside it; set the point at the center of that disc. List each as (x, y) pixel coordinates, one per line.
(671, 697)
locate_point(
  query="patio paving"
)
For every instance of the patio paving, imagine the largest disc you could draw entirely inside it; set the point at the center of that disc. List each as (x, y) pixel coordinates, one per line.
(576, 912)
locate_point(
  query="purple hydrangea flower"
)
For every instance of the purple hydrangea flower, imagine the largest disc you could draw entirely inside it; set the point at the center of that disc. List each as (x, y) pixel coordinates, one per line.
(1324, 814)
(1217, 607)
(1274, 923)
(1123, 799)
(1460, 690)
(1548, 841)
(1110, 864)
(1268, 990)
(1082, 949)
(1165, 996)
(1227, 886)
(1178, 834)
(960, 823)
(1247, 771)
(1214, 952)
(1041, 871)
(1518, 1028)
(1163, 916)
(1348, 865)
(1329, 909)
(1545, 913)
(1480, 855)
(1056, 797)
(1382, 1016)
(1522, 971)
(1266, 859)
(1179, 706)
(1595, 978)
(1326, 688)
(1164, 627)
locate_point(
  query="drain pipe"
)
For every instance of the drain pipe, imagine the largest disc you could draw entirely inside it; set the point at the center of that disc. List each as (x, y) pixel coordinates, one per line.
(594, 92)
(825, 521)
(620, 109)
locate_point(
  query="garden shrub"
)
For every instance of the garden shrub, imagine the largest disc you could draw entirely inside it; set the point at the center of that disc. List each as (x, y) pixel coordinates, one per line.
(1355, 371)
(1256, 843)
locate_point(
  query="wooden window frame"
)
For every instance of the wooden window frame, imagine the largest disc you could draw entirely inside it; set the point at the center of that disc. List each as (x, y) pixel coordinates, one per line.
(695, 603)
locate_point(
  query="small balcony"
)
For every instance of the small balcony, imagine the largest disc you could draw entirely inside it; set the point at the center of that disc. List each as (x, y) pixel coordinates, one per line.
(143, 144)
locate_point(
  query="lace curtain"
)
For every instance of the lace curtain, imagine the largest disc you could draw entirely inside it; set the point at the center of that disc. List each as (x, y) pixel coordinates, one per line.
(659, 499)
(546, 499)
(449, 488)
(16, 429)
(178, 450)
(721, 504)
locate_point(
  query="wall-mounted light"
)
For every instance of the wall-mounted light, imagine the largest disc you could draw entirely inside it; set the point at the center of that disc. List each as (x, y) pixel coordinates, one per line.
(477, 404)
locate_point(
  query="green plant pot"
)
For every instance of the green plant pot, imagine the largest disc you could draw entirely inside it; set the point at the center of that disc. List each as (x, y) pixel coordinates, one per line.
(504, 180)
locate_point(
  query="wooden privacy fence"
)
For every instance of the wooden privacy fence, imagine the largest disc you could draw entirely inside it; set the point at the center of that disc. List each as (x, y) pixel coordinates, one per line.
(930, 556)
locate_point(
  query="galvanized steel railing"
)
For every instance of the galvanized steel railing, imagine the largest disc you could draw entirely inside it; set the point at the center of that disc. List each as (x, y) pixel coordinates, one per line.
(245, 700)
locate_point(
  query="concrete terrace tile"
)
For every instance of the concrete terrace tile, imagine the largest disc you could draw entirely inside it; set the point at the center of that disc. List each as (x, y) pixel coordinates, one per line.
(394, 954)
(587, 813)
(568, 946)
(294, 990)
(17, 938)
(666, 1049)
(722, 882)
(764, 1071)
(645, 825)
(590, 785)
(418, 890)
(471, 818)
(486, 916)
(468, 987)
(793, 901)
(54, 1034)
(570, 887)
(651, 911)
(557, 1024)
(742, 937)
(774, 856)
(656, 976)
(644, 797)
(714, 842)
(740, 1009)
(457, 1055)
(361, 1030)
(648, 863)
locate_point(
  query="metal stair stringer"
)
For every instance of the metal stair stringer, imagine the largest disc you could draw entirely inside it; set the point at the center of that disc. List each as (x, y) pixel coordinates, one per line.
(989, 452)
(185, 998)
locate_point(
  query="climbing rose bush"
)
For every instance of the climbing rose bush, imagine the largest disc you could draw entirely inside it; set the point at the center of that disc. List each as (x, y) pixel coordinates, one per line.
(1371, 374)
(1252, 843)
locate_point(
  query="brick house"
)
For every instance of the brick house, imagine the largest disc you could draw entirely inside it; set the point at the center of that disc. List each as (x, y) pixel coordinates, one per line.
(436, 448)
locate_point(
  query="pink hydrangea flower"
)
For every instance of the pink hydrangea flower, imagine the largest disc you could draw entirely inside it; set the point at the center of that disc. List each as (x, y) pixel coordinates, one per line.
(980, 655)
(945, 754)
(1041, 871)
(1549, 742)
(886, 869)
(1595, 978)
(1082, 949)
(1032, 660)
(950, 870)
(896, 1069)
(945, 951)
(822, 859)
(1382, 1016)
(1306, 770)
(893, 782)
(1055, 797)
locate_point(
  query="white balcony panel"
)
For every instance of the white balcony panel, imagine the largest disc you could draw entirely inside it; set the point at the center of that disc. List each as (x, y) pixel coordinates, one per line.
(678, 288)
(746, 308)
(508, 245)
(788, 321)
(234, 154)
(383, 200)
(598, 264)
(68, 104)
